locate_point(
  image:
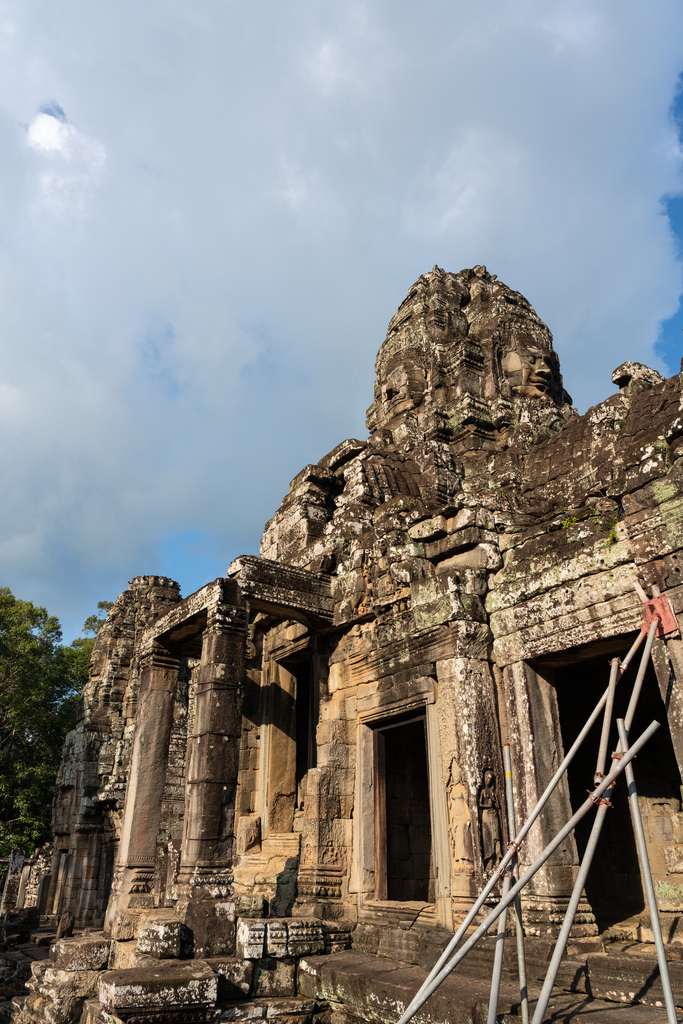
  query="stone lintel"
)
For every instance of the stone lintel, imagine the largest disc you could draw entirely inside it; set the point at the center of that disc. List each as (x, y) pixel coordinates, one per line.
(187, 620)
(282, 590)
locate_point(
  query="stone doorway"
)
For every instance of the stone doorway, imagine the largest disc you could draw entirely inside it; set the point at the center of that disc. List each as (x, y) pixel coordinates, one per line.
(403, 827)
(614, 887)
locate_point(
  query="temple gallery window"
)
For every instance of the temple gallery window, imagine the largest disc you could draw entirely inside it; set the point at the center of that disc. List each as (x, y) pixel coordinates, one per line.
(403, 828)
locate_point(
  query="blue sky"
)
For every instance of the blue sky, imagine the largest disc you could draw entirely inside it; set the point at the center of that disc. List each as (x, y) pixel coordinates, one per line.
(210, 212)
(670, 339)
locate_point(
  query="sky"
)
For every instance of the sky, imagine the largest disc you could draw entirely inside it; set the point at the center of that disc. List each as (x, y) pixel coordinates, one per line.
(209, 213)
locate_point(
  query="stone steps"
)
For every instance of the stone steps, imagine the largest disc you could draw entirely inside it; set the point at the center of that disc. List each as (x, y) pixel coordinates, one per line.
(377, 990)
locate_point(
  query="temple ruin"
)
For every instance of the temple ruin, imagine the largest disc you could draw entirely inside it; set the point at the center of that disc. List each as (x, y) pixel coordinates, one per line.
(301, 763)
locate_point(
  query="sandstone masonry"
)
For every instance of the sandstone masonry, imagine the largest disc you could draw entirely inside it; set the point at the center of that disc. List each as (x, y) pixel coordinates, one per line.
(305, 755)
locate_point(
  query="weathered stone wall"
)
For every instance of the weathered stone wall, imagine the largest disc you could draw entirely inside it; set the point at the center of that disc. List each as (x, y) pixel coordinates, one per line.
(92, 780)
(237, 763)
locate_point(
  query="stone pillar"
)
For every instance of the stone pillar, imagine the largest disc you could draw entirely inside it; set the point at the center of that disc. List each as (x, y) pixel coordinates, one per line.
(54, 880)
(206, 876)
(470, 749)
(43, 891)
(323, 847)
(23, 880)
(667, 659)
(537, 750)
(12, 881)
(147, 775)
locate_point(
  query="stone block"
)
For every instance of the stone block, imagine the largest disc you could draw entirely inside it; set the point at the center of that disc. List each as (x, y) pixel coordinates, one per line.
(304, 938)
(279, 1008)
(124, 926)
(244, 1011)
(122, 955)
(87, 953)
(250, 906)
(212, 923)
(669, 896)
(66, 992)
(251, 939)
(337, 935)
(673, 857)
(66, 925)
(234, 977)
(160, 936)
(167, 986)
(274, 978)
(276, 938)
(631, 979)
(91, 1012)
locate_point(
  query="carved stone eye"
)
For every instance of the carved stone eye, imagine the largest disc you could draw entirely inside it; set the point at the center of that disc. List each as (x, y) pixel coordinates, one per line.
(512, 363)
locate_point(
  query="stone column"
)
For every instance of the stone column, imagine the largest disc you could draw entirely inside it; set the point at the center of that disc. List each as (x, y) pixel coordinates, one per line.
(323, 849)
(667, 659)
(23, 880)
(205, 877)
(147, 775)
(470, 748)
(537, 750)
(11, 890)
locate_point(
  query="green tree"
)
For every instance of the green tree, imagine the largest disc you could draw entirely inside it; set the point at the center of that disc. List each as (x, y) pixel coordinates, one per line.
(40, 682)
(93, 624)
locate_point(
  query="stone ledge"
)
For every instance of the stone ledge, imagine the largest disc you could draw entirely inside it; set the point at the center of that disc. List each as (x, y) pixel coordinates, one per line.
(168, 985)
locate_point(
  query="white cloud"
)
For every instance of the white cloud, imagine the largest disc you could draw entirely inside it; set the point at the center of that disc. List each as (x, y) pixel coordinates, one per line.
(199, 259)
(76, 163)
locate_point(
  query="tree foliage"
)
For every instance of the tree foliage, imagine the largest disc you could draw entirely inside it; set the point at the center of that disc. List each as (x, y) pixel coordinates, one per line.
(40, 682)
(93, 624)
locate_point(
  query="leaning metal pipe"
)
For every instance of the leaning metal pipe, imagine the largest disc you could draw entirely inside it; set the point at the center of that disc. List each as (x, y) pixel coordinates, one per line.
(498, 959)
(606, 723)
(637, 686)
(647, 879)
(560, 946)
(427, 990)
(507, 857)
(519, 927)
(589, 852)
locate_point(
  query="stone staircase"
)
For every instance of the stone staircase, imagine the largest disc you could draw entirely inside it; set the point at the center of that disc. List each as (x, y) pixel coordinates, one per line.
(294, 972)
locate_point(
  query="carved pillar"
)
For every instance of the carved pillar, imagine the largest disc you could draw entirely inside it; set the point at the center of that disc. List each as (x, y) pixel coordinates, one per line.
(470, 748)
(211, 782)
(537, 750)
(667, 658)
(12, 881)
(147, 774)
(323, 853)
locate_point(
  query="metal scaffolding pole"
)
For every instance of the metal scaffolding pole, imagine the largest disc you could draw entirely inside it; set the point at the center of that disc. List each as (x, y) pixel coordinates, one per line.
(427, 990)
(417, 1001)
(498, 957)
(603, 806)
(647, 879)
(513, 875)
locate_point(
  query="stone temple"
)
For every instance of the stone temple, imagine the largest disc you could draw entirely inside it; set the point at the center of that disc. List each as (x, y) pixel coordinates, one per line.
(289, 785)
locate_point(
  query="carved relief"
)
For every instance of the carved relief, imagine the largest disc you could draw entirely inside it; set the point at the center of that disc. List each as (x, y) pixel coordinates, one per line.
(248, 834)
(528, 370)
(459, 822)
(489, 823)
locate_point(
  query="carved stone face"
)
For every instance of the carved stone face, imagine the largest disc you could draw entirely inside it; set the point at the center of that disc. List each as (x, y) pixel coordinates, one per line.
(403, 387)
(528, 369)
(488, 778)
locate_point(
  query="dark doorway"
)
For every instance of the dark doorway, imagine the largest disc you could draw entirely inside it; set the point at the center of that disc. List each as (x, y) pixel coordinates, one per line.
(614, 887)
(403, 820)
(306, 719)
